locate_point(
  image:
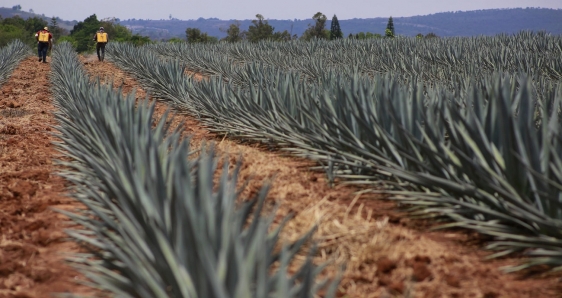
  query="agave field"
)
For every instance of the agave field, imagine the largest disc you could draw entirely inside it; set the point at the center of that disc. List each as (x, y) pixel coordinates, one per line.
(462, 131)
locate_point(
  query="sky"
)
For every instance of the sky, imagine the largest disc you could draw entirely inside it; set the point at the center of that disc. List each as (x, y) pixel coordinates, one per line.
(247, 9)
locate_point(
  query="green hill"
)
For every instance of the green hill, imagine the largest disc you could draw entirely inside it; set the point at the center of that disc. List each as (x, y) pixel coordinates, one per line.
(9, 12)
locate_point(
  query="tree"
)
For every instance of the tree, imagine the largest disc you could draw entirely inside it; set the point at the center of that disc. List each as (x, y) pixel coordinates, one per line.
(138, 39)
(281, 36)
(55, 29)
(318, 30)
(119, 32)
(15, 21)
(18, 28)
(335, 30)
(389, 32)
(34, 24)
(260, 30)
(431, 35)
(16, 7)
(319, 24)
(83, 32)
(233, 33)
(194, 35)
(8, 33)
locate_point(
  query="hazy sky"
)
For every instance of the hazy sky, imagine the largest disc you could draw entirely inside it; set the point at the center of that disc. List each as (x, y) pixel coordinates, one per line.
(247, 9)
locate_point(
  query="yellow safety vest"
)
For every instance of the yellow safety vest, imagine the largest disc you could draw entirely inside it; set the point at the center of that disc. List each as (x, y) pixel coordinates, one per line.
(102, 37)
(43, 36)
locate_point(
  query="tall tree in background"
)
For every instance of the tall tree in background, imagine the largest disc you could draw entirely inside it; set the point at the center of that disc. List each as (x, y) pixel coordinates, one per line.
(335, 30)
(55, 29)
(389, 32)
(318, 30)
(83, 32)
(233, 33)
(260, 29)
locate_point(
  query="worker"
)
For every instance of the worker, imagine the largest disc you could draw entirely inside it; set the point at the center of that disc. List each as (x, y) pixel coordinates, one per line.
(101, 39)
(44, 39)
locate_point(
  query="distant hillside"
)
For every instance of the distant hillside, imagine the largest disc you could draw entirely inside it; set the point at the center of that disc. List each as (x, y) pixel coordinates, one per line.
(461, 23)
(9, 12)
(481, 22)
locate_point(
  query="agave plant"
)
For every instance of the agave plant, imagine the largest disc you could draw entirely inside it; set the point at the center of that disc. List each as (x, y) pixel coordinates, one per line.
(10, 56)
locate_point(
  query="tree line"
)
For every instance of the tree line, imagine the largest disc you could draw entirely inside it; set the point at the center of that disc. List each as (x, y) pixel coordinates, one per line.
(19, 28)
(260, 29)
(80, 36)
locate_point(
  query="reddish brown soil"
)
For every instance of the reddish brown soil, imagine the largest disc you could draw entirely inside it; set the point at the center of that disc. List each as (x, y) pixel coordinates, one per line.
(386, 254)
(33, 244)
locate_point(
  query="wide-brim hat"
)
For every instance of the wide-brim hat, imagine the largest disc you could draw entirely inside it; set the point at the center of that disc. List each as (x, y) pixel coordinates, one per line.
(46, 28)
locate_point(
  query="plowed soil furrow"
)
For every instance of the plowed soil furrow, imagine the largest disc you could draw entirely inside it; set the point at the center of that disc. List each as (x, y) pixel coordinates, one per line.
(33, 244)
(386, 254)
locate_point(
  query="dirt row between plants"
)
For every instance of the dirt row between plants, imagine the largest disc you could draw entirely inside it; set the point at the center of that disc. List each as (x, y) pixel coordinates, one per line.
(384, 253)
(33, 244)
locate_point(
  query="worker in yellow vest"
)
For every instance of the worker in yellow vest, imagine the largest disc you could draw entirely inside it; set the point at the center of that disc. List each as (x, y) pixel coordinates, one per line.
(101, 39)
(44, 39)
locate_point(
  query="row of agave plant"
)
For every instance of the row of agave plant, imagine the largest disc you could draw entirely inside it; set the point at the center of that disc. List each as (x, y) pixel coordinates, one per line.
(10, 56)
(485, 155)
(435, 61)
(155, 224)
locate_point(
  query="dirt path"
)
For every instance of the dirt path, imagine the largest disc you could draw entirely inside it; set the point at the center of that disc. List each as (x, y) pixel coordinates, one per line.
(385, 254)
(32, 244)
